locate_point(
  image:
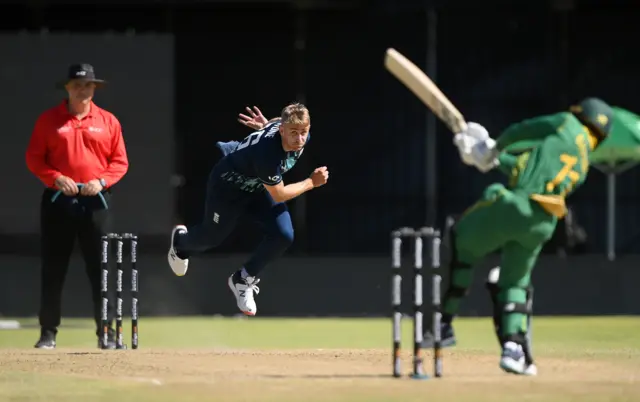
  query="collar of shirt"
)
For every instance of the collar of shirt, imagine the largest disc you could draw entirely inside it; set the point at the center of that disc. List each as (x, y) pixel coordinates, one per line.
(64, 110)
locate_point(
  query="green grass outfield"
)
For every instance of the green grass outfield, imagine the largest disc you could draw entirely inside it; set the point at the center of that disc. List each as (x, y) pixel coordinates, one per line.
(256, 359)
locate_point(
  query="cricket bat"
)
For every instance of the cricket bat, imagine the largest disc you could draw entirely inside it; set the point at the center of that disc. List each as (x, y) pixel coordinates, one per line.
(425, 89)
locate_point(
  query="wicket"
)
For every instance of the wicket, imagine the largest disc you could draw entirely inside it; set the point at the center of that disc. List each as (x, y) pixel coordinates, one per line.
(396, 298)
(106, 240)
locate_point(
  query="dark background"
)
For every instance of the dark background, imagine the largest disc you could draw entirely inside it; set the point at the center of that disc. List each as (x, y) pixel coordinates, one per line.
(180, 73)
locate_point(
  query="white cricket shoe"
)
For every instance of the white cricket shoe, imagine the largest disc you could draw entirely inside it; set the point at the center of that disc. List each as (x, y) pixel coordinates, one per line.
(512, 359)
(243, 289)
(177, 264)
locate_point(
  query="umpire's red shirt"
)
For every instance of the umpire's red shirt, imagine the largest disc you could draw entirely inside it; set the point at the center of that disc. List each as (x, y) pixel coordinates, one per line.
(82, 149)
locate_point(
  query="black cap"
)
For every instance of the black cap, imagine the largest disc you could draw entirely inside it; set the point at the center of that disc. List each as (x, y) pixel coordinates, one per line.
(81, 72)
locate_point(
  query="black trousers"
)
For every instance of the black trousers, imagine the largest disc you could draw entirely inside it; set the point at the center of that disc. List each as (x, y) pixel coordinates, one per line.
(61, 223)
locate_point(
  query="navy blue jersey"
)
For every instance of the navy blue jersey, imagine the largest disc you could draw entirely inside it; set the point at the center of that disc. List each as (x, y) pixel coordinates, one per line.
(258, 159)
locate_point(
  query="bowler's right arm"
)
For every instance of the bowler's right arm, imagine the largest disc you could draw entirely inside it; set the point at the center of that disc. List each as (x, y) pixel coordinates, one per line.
(282, 193)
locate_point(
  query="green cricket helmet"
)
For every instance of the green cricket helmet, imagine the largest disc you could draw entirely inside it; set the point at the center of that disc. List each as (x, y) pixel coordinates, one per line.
(596, 114)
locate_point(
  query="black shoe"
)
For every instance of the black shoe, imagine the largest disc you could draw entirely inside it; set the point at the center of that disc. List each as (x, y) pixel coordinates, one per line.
(110, 344)
(447, 337)
(47, 340)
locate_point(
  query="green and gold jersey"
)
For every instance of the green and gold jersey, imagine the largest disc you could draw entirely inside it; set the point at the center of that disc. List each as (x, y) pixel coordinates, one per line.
(554, 158)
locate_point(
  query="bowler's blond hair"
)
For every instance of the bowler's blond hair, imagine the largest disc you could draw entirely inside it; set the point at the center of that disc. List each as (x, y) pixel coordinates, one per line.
(295, 113)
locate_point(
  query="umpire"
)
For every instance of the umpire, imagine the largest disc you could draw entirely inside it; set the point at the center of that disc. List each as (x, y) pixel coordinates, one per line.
(77, 151)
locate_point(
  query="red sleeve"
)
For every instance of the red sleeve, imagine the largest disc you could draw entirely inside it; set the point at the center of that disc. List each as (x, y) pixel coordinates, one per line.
(118, 161)
(36, 155)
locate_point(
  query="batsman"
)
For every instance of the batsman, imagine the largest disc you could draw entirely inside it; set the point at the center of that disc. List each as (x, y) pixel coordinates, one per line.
(518, 219)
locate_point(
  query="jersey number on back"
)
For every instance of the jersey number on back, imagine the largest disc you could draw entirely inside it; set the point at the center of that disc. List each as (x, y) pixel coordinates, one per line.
(253, 139)
(569, 162)
(250, 140)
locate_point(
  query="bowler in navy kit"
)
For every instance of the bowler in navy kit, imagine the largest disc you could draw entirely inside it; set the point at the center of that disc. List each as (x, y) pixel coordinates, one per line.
(248, 181)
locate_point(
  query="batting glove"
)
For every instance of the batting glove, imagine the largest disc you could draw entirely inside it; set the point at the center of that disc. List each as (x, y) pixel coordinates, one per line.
(476, 131)
(484, 155)
(465, 145)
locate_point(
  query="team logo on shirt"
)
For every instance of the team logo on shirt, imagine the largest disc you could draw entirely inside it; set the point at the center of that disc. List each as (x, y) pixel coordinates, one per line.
(289, 162)
(95, 129)
(64, 129)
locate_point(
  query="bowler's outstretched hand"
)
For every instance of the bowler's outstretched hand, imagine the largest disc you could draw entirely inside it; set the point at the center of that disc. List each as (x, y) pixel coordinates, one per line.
(255, 120)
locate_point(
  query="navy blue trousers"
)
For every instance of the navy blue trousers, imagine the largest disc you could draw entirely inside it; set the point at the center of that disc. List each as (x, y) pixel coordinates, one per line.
(224, 206)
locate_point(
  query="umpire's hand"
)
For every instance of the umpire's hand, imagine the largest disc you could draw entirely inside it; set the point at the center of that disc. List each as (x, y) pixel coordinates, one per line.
(67, 185)
(93, 187)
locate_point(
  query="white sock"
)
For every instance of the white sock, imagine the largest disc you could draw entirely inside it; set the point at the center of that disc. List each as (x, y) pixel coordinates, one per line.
(244, 273)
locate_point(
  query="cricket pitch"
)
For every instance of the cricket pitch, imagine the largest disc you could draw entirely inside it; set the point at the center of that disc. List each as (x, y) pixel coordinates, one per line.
(316, 360)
